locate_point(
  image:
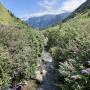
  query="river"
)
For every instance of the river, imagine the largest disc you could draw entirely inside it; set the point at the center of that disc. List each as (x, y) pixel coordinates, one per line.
(49, 79)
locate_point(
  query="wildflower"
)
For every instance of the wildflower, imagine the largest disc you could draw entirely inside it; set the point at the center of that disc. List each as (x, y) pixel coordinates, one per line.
(74, 77)
(84, 72)
(88, 69)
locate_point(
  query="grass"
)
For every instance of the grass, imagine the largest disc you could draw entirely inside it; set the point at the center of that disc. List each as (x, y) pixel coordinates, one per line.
(7, 18)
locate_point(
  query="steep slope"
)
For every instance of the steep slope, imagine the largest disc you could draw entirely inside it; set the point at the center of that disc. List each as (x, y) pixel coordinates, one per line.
(45, 21)
(69, 44)
(20, 50)
(7, 18)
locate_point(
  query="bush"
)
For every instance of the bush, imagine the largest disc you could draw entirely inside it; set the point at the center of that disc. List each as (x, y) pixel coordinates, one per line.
(70, 49)
(19, 53)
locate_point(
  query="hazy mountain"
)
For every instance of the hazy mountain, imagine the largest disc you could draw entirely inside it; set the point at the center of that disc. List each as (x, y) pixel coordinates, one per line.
(45, 21)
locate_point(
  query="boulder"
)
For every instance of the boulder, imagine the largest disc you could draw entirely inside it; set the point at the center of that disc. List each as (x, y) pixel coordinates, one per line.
(38, 77)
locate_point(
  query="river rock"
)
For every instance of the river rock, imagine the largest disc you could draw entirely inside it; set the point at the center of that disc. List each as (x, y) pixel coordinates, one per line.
(38, 77)
(24, 83)
(44, 72)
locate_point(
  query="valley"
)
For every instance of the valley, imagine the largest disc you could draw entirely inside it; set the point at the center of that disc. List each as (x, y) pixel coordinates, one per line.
(50, 52)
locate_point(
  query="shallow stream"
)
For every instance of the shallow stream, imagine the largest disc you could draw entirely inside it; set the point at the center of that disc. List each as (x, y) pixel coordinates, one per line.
(49, 79)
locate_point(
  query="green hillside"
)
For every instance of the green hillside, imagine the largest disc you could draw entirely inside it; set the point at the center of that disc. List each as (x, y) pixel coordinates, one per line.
(69, 44)
(20, 49)
(7, 18)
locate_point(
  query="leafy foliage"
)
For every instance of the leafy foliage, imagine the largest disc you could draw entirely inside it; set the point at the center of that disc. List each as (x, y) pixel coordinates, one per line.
(20, 49)
(19, 53)
(70, 49)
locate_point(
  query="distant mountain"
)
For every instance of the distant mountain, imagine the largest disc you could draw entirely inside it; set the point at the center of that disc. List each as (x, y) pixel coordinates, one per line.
(45, 21)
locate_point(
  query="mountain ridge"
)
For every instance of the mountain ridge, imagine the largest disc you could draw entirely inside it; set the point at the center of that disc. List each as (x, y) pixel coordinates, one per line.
(45, 21)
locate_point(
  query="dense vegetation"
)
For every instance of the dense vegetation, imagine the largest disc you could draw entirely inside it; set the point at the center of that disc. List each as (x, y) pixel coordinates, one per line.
(20, 49)
(69, 44)
(19, 53)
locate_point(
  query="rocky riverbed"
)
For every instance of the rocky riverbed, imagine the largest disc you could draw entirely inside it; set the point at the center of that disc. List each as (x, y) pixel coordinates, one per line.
(49, 81)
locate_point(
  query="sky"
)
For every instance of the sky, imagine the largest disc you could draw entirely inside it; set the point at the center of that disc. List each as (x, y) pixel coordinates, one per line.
(32, 8)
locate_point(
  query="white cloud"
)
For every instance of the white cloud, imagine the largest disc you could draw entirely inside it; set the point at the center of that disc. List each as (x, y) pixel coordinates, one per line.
(70, 5)
(49, 7)
(67, 5)
(38, 14)
(48, 4)
(27, 16)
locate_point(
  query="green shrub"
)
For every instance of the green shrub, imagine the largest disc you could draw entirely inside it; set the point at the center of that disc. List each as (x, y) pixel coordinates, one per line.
(70, 49)
(19, 53)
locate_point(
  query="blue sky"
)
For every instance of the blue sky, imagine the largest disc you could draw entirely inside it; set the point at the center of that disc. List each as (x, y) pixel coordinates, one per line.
(30, 8)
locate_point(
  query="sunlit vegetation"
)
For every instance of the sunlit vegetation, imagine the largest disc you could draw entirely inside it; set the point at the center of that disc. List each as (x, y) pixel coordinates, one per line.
(69, 44)
(7, 18)
(20, 49)
(19, 53)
